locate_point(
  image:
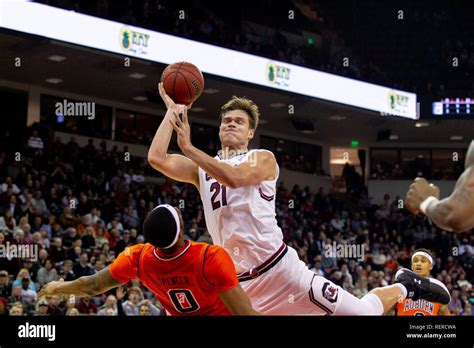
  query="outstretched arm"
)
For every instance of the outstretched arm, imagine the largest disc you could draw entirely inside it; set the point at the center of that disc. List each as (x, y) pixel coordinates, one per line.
(92, 285)
(174, 166)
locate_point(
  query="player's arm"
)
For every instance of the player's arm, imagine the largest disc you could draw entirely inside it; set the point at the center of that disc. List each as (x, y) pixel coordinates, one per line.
(219, 272)
(174, 166)
(254, 171)
(454, 213)
(237, 301)
(85, 286)
(249, 173)
(390, 311)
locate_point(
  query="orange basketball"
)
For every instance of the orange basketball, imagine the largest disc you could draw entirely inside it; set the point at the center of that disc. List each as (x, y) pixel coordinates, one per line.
(183, 82)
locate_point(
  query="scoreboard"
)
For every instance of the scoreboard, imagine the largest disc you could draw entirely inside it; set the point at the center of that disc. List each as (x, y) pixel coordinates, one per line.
(454, 107)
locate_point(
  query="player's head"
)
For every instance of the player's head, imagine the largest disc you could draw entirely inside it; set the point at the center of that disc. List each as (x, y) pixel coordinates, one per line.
(239, 120)
(164, 227)
(422, 262)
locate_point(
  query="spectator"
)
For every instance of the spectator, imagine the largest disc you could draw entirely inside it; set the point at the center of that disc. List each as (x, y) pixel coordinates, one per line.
(455, 306)
(23, 275)
(130, 217)
(16, 310)
(47, 273)
(82, 268)
(54, 308)
(9, 183)
(70, 237)
(7, 222)
(41, 308)
(3, 307)
(72, 312)
(58, 252)
(14, 207)
(131, 306)
(110, 304)
(66, 271)
(87, 306)
(5, 287)
(88, 239)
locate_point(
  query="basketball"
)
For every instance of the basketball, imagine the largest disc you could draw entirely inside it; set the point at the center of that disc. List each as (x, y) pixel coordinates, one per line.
(183, 82)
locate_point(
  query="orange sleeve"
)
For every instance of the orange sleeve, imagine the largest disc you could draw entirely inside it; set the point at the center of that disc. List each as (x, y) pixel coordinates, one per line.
(218, 269)
(124, 268)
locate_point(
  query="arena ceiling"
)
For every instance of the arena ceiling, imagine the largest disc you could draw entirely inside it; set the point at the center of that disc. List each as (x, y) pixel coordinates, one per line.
(103, 75)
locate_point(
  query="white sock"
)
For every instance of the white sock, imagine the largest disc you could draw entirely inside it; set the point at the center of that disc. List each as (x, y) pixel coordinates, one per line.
(404, 289)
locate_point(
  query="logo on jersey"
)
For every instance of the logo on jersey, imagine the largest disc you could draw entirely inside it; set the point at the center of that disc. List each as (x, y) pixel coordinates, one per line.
(183, 300)
(330, 292)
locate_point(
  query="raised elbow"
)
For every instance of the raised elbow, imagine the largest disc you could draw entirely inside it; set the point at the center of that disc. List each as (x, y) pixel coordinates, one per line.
(155, 159)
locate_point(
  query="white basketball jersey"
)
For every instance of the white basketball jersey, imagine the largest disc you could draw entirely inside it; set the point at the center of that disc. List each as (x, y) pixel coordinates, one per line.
(242, 220)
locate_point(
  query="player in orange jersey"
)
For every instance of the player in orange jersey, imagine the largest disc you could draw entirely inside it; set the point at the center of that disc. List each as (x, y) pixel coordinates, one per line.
(187, 278)
(421, 263)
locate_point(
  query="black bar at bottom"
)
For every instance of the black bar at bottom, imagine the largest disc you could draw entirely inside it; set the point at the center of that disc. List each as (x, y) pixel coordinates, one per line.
(288, 331)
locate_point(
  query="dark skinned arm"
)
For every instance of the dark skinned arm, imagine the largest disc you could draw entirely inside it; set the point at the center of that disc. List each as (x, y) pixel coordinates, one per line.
(86, 286)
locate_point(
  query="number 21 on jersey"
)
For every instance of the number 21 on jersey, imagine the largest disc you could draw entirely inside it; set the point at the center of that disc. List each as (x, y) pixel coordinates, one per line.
(219, 197)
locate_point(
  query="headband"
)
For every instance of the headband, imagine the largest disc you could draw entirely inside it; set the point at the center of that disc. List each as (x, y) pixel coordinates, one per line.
(422, 253)
(176, 219)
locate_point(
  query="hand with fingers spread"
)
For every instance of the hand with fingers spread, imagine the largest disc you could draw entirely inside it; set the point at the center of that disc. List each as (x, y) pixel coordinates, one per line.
(419, 190)
(180, 124)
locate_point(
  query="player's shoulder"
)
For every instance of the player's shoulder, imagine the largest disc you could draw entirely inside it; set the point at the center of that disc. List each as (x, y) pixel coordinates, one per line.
(216, 252)
(262, 152)
(205, 246)
(135, 250)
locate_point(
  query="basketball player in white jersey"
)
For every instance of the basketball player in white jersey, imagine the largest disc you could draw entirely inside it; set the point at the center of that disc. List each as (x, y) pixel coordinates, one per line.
(238, 190)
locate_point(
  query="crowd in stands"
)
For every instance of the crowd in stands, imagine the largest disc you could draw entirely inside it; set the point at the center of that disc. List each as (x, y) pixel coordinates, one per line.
(82, 206)
(370, 35)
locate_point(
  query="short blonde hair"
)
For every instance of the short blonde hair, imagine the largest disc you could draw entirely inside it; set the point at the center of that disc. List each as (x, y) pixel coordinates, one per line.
(244, 104)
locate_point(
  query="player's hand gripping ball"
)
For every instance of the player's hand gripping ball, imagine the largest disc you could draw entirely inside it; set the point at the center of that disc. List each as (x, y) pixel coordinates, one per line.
(183, 82)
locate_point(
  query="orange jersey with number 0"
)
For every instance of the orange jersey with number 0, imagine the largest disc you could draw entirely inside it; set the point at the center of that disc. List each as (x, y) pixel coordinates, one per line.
(187, 282)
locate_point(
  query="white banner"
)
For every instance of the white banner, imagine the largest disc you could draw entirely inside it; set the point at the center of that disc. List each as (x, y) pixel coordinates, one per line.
(84, 30)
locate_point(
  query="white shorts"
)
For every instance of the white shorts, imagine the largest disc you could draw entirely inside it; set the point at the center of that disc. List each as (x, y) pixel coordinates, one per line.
(290, 288)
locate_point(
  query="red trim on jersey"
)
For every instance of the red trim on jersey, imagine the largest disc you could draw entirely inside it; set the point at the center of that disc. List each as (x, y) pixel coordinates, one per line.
(264, 196)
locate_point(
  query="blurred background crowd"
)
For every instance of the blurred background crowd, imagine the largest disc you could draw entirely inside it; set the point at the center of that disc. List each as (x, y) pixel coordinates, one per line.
(82, 206)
